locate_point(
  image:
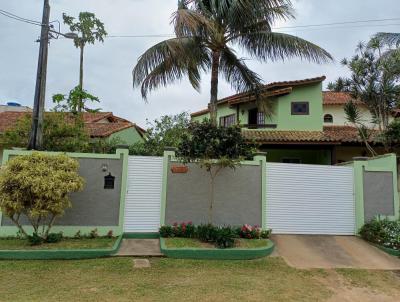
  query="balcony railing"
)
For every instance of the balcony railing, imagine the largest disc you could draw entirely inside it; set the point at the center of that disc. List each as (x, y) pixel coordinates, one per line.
(259, 126)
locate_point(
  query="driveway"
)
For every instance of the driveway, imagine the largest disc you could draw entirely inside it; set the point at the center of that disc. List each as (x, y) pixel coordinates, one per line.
(309, 251)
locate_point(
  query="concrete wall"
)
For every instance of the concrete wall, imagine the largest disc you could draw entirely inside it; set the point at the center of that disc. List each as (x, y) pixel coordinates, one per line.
(94, 206)
(378, 194)
(238, 196)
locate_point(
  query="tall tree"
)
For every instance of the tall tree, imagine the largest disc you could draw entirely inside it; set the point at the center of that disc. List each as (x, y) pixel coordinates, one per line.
(374, 79)
(206, 33)
(90, 30)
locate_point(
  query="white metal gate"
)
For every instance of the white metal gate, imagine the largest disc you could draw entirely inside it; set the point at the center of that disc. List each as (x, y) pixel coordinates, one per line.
(310, 199)
(143, 197)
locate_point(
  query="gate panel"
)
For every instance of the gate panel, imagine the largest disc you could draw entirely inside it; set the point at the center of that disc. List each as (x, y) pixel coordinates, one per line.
(143, 198)
(310, 199)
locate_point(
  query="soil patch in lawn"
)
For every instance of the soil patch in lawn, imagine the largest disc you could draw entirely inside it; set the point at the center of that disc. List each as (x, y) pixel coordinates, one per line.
(195, 243)
(65, 244)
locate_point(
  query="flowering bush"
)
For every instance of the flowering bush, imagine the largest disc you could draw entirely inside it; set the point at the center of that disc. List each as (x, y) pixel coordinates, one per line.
(253, 232)
(223, 237)
(382, 232)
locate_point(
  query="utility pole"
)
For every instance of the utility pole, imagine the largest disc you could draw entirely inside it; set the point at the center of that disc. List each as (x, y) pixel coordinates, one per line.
(36, 136)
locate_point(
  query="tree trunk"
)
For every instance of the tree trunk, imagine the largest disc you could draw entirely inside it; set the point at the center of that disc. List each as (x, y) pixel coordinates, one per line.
(211, 205)
(80, 105)
(216, 55)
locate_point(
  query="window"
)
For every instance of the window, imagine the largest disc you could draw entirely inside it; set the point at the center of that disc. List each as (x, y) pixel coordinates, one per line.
(300, 108)
(256, 117)
(328, 118)
(291, 160)
(227, 121)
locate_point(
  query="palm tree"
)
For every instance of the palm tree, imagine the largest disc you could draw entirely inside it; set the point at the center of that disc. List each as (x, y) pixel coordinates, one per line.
(206, 32)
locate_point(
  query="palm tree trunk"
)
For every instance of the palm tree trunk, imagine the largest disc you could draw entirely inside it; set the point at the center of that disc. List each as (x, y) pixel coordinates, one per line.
(216, 55)
(80, 105)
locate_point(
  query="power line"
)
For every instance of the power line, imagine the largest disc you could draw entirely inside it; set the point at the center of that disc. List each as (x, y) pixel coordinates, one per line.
(18, 18)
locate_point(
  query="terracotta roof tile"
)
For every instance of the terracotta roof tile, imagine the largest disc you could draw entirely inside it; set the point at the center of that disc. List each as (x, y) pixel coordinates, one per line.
(329, 134)
(336, 98)
(91, 120)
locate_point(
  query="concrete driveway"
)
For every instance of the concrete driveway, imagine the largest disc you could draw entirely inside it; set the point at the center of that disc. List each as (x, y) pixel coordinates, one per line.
(309, 251)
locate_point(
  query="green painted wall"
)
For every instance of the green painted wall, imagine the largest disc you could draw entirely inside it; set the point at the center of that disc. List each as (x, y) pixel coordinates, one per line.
(128, 136)
(313, 157)
(385, 163)
(282, 110)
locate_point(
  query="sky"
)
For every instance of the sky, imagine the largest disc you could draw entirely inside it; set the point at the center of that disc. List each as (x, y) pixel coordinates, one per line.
(108, 67)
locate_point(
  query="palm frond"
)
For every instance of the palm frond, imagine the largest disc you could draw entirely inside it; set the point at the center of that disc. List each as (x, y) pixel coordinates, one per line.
(353, 113)
(391, 39)
(169, 61)
(237, 73)
(188, 22)
(279, 46)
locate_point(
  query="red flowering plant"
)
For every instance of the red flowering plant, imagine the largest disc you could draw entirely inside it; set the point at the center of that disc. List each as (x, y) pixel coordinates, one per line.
(253, 232)
(183, 229)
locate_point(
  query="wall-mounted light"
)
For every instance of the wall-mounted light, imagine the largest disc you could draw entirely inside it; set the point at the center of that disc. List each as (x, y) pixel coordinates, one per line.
(104, 167)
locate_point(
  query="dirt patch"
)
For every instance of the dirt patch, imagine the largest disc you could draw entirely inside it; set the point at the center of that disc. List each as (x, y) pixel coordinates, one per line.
(344, 291)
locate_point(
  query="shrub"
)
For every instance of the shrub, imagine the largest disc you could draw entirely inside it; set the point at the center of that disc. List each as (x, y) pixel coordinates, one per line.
(38, 186)
(54, 237)
(382, 232)
(93, 234)
(166, 231)
(78, 235)
(225, 237)
(207, 232)
(110, 234)
(35, 239)
(253, 232)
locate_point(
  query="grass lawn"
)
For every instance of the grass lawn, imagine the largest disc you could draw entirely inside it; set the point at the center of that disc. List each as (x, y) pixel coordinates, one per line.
(114, 279)
(195, 243)
(96, 243)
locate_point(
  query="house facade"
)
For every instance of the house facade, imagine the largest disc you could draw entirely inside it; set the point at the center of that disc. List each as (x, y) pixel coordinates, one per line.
(304, 124)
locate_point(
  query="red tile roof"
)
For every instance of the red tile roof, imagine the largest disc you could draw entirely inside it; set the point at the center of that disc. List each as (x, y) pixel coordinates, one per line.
(93, 122)
(329, 134)
(336, 98)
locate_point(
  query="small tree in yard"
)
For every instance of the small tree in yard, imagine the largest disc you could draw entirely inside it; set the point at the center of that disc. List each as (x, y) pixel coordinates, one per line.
(37, 186)
(214, 148)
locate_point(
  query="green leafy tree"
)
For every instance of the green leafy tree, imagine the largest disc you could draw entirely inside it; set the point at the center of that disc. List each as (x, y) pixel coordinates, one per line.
(374, 80)
(355, 117)
(207, 33)
(89, 29)
(77, 98)
(167, 131)
(392, 134)
(61, 132)
(36, 187)
(214, 149)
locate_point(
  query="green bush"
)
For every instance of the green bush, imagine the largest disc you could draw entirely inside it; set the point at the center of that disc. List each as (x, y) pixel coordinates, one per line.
(383, 232)
(35, 239)
(166, 231)
(225, 237)
(93, 234)
(54, 237)
(206, 232)
(253, 232)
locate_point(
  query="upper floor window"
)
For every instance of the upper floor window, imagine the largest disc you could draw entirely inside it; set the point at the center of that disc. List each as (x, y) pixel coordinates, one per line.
(228, 120)
(300, 108)
(256, 117)
(328, 118)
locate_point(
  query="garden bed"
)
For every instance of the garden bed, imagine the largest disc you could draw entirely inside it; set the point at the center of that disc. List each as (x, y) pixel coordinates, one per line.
(66, 249)
(188, 248)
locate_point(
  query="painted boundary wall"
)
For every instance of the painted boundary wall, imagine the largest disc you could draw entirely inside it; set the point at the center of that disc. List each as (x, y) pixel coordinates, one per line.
(70, 230)
(259, 160)
(384, 163)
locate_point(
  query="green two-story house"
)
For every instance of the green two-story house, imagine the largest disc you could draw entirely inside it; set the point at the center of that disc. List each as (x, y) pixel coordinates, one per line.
(299, 127)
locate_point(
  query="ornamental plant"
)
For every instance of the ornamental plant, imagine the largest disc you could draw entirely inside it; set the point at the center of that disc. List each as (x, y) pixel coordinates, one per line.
(382, 232)
(37, 186)
(214, 148)
(253, 232)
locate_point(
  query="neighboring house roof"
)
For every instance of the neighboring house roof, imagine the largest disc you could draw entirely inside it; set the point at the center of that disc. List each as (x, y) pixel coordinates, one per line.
(336, 98)
(329, 135)
(271, 89)
(99, 124)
